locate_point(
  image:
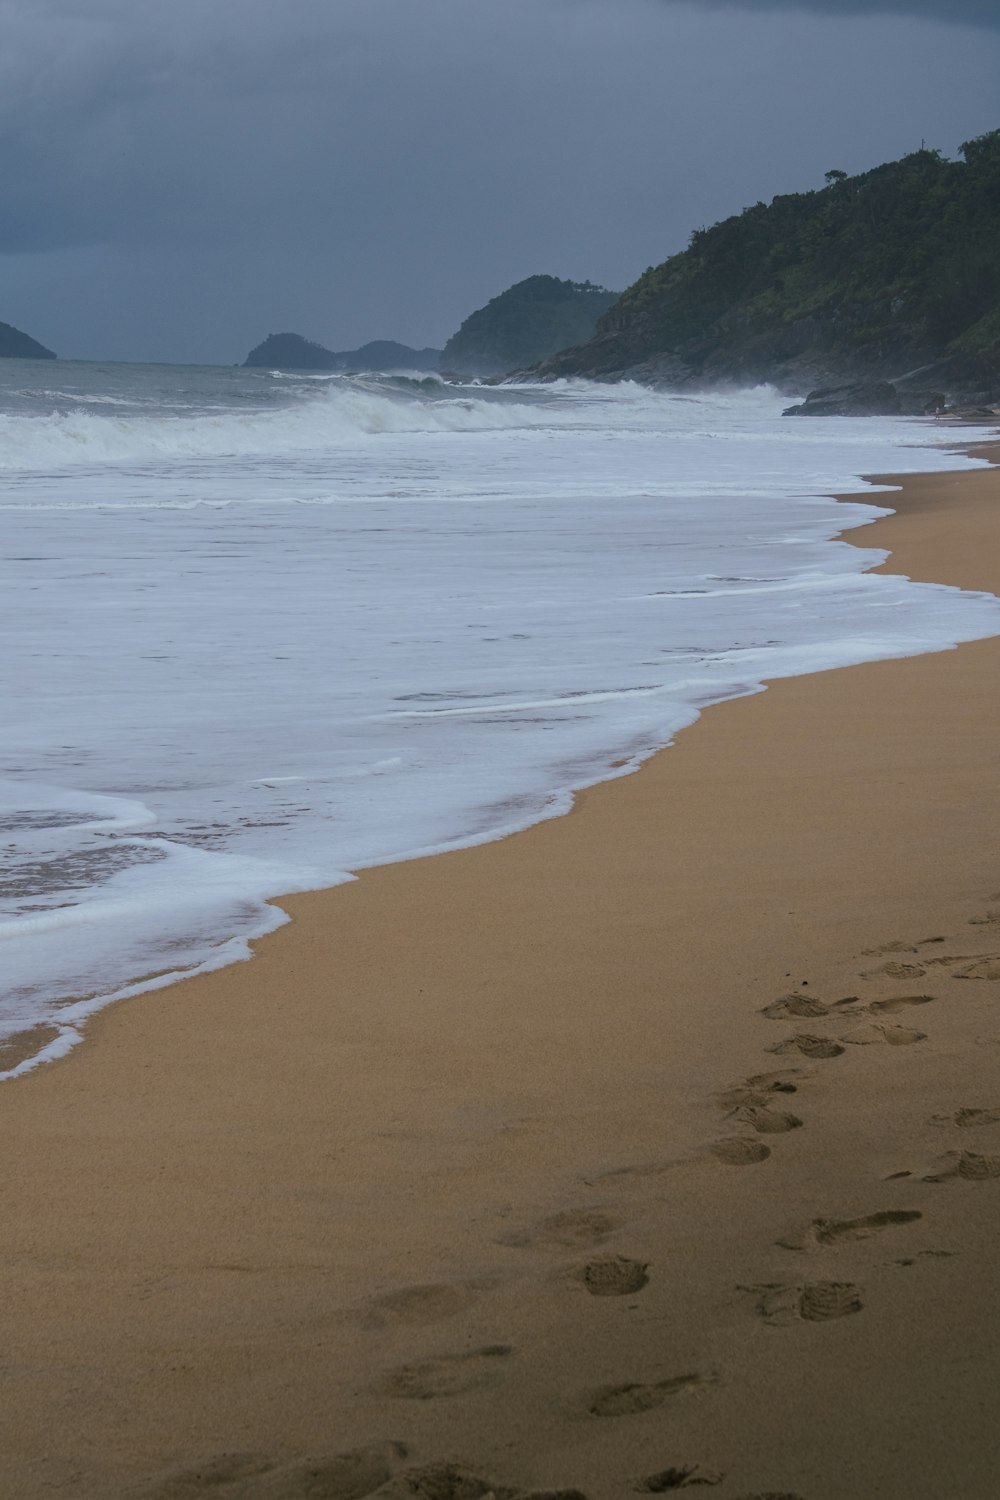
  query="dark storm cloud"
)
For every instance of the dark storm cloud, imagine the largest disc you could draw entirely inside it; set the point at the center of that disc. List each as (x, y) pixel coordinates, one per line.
(178, 180)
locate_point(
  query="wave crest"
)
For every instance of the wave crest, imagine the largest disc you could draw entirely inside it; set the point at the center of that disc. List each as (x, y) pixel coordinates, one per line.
(351, 410)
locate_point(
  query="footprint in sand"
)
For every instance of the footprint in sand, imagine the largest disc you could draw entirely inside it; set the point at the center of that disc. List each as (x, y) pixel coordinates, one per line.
(679, 1478)
(447, 1374)
(761, 1089)
(968, 1166)
(214, 1474)
(816, 1302)
(947, 960)
(795, 1005)
(823, 1300)
(569, 1228)
(346, 1476)
(896, 970)
(898, 1002)
(632, 1400)
(442, 1481)
(835, 1231)
(635, 1176)
(817, 1047)
(901, 947)
(613, 1276)
(981, 968)
(767, 1121)
(739, 1150)
(449, 1481)
(895, 1036)
(255, 1476)
(967, 1118)
(803, 1006)
(428, 1303)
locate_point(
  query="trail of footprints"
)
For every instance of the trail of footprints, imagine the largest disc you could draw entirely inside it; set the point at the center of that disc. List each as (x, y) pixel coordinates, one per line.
(758, 1107)
(382, 1471)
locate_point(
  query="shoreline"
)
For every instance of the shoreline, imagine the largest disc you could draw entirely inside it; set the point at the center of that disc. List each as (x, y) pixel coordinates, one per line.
(468, 1090)
(65, 1025)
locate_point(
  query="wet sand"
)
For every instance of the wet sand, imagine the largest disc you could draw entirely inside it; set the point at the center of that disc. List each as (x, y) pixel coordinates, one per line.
(658, 1144)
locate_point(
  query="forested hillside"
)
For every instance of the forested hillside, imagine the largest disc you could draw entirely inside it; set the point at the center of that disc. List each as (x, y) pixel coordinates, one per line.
(526, 323)
(871, 275)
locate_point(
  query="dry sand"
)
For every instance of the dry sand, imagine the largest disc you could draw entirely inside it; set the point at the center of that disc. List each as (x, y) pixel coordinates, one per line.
(466, 1160)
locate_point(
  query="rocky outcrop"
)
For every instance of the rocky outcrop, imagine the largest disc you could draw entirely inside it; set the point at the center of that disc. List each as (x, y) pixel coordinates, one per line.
(17, 345)
(875, 399)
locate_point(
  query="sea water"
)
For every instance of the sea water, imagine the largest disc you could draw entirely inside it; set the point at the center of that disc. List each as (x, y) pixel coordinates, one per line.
(262, 631)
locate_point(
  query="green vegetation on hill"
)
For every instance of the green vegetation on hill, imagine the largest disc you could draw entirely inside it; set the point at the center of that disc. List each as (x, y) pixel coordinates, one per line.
(17, 345)
(527, 323)
(872, 275)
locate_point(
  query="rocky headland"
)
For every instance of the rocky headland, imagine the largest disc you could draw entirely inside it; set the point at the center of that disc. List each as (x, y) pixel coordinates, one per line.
(530, 321)
(877, 293)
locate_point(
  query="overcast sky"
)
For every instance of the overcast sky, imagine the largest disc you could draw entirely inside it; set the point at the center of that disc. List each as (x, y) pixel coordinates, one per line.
(181, 179)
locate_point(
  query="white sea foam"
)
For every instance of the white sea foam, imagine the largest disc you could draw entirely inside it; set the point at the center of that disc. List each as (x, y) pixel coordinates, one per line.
(255, 642)
(339, 414)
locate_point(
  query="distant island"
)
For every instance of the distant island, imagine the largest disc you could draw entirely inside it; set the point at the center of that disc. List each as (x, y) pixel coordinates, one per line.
(891, 276)
(525, 324)
(17, 345)
(290, 351)
(529, 322)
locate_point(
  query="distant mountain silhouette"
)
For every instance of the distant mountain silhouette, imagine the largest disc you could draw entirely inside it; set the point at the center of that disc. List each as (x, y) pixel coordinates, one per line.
(17, 345)
(290, 351)
(529, 322)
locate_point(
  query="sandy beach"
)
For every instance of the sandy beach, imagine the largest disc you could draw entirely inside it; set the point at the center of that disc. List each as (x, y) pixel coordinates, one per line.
(656, 1146)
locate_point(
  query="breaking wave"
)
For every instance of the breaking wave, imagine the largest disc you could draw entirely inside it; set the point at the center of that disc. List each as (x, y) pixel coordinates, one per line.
(343, 411)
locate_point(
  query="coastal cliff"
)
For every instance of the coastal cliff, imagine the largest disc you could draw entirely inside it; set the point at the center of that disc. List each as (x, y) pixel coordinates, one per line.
(891, 275)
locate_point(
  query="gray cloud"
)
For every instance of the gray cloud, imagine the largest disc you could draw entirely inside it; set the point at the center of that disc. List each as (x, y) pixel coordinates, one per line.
(948, 12)
(180, 180)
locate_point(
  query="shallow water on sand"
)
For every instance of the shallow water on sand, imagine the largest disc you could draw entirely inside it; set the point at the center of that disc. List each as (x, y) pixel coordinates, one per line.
(262, 631)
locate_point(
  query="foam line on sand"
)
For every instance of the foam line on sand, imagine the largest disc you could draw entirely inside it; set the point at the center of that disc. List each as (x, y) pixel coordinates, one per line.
(656, 1146)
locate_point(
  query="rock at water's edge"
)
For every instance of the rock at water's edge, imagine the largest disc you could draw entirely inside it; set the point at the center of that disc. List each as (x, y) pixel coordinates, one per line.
(867, 399)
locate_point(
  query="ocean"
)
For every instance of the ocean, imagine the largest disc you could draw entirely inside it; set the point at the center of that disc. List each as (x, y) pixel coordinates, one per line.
(262, 631)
